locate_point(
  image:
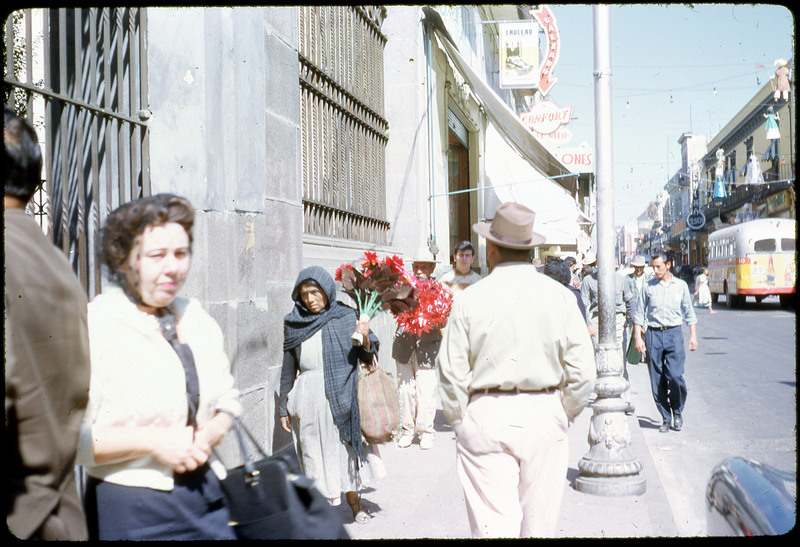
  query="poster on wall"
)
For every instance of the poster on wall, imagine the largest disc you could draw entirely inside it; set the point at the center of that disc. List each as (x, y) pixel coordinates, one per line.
(519, 55)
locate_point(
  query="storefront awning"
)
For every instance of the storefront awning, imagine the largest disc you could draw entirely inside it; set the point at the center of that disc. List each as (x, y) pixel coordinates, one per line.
(516, 134)
(514, 179)
(517, 166)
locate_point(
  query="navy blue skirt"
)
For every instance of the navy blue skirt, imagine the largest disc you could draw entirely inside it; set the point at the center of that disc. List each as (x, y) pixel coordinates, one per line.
(194, 510)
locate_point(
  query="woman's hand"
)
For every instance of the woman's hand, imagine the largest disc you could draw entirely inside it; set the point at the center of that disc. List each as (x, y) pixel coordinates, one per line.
(362, 328)
(176, 448)
(209, 434)
(286, 424)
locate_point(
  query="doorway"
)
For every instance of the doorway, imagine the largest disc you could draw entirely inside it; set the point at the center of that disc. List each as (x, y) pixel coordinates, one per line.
(458, 180)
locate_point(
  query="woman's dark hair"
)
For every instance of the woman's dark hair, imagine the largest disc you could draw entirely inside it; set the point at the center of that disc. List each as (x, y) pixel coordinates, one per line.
(128, 221)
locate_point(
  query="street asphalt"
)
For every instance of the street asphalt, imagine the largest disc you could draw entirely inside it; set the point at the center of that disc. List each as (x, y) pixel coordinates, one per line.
(420, 496)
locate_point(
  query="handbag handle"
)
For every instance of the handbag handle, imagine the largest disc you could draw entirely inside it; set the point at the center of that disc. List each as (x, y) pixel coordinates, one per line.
(252, 474)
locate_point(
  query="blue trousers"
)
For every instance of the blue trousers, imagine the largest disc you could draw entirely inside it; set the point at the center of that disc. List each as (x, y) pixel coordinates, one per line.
(665, 359)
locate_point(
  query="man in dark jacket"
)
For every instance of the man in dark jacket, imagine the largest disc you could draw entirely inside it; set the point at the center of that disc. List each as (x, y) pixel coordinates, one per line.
(415, 357)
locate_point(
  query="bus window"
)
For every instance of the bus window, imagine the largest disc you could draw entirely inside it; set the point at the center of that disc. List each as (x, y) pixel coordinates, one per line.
(787, 244)
(764, 246)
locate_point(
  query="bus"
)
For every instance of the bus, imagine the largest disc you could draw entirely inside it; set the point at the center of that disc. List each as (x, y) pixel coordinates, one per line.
(753, 258)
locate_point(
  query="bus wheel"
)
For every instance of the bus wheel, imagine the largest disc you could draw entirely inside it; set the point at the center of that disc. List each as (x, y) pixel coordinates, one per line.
(786, 300)
(731, 300)
(714, 297)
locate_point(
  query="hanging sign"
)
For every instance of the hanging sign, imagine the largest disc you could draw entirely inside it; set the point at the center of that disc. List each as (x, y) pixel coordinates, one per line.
(519, 55)
(546, 116)
(559, 137)
(547, 21)
(696, 220)
(577, 159)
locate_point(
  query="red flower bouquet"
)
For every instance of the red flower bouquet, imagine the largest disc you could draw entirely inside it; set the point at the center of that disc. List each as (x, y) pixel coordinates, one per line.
(377, 285)
(433, 307)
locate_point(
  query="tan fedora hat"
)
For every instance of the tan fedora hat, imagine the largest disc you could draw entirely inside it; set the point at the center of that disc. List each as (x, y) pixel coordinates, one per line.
(511, 227)
(639, 261)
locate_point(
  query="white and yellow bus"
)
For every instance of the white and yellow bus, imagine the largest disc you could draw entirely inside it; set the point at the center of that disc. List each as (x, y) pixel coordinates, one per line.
(753, 258)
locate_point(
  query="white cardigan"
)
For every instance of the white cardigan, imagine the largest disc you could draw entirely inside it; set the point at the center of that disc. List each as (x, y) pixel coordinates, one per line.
(137, 379)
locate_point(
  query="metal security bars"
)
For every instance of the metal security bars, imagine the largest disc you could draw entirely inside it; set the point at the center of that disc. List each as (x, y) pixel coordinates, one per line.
(342, 124)
(79, 75)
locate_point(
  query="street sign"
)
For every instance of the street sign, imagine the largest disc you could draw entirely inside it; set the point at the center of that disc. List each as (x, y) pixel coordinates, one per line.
(696, 221)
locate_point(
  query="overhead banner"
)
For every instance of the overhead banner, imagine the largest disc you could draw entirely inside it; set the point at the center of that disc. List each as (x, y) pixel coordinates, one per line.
(519, 55)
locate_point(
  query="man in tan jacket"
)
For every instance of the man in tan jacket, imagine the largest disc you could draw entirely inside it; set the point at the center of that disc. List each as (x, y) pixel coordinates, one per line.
(46, 356)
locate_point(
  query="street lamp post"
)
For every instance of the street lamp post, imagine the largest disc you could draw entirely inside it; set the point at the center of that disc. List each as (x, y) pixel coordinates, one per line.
(609, 469)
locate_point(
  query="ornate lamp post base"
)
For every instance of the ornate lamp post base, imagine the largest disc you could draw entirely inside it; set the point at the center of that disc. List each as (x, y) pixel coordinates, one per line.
(609, 469)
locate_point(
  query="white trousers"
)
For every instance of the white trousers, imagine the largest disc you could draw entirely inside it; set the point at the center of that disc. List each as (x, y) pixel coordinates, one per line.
(512, 457)
(417, 396)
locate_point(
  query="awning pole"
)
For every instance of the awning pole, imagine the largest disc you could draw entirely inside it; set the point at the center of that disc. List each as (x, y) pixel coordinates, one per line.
(431, 140)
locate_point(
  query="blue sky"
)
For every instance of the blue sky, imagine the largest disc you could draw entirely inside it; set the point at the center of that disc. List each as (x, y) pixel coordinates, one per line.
(681, 51)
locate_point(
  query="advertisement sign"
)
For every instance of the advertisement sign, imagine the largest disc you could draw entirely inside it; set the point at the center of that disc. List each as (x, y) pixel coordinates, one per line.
(577, 160)
(558, 137)
(519, 55)
(546, 116)
(547, 21)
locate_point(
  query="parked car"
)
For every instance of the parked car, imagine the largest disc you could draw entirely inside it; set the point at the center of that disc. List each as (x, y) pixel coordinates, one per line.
(748, 498)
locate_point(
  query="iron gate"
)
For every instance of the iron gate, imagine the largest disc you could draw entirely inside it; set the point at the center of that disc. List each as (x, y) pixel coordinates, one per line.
(80, 77)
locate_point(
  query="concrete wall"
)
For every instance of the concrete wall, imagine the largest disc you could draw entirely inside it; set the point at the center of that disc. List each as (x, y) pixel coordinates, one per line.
(225, 134)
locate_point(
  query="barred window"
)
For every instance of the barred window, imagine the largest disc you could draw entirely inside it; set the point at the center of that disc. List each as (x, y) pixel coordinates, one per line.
(342, 122)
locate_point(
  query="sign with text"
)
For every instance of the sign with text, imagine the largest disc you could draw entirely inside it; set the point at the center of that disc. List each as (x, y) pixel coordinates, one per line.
(519, 55)
(548, 23)
(576, 159)
(546, 116)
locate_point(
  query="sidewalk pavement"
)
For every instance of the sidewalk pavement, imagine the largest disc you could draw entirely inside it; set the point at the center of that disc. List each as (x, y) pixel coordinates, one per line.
(421, 496)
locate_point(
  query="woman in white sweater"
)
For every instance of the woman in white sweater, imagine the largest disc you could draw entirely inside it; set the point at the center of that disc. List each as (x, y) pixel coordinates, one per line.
(162, 395)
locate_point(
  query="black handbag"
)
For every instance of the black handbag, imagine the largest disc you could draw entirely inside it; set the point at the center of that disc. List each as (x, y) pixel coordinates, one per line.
(270, 499)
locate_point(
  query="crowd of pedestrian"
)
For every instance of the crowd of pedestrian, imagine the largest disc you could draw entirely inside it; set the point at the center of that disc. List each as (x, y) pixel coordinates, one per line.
(138, 388)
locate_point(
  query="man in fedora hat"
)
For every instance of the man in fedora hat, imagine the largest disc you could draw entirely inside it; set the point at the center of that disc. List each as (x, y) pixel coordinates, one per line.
(516, 366)
(415, 357)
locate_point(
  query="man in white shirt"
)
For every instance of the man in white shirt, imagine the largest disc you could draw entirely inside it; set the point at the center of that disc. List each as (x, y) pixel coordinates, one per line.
(461, 276)
(516, 366)
(664, 303)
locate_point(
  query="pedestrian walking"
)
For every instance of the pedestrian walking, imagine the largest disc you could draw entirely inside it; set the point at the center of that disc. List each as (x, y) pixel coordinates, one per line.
(590, 295)
(630, 295)
(515, 368)
(415, 358)
(162, 395)
(574, 269)
(702, 293)
(318, 400)
(663, 305)
(559, 269)
(46, 358)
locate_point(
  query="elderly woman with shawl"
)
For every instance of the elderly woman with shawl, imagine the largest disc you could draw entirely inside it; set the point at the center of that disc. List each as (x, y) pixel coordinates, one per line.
(319, 390)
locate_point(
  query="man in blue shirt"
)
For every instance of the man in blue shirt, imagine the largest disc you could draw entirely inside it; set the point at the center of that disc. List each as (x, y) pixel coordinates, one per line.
(663, 305)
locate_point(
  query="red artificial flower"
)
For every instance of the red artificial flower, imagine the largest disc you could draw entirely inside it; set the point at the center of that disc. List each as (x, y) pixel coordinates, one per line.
(340, 269)
(433, 307)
